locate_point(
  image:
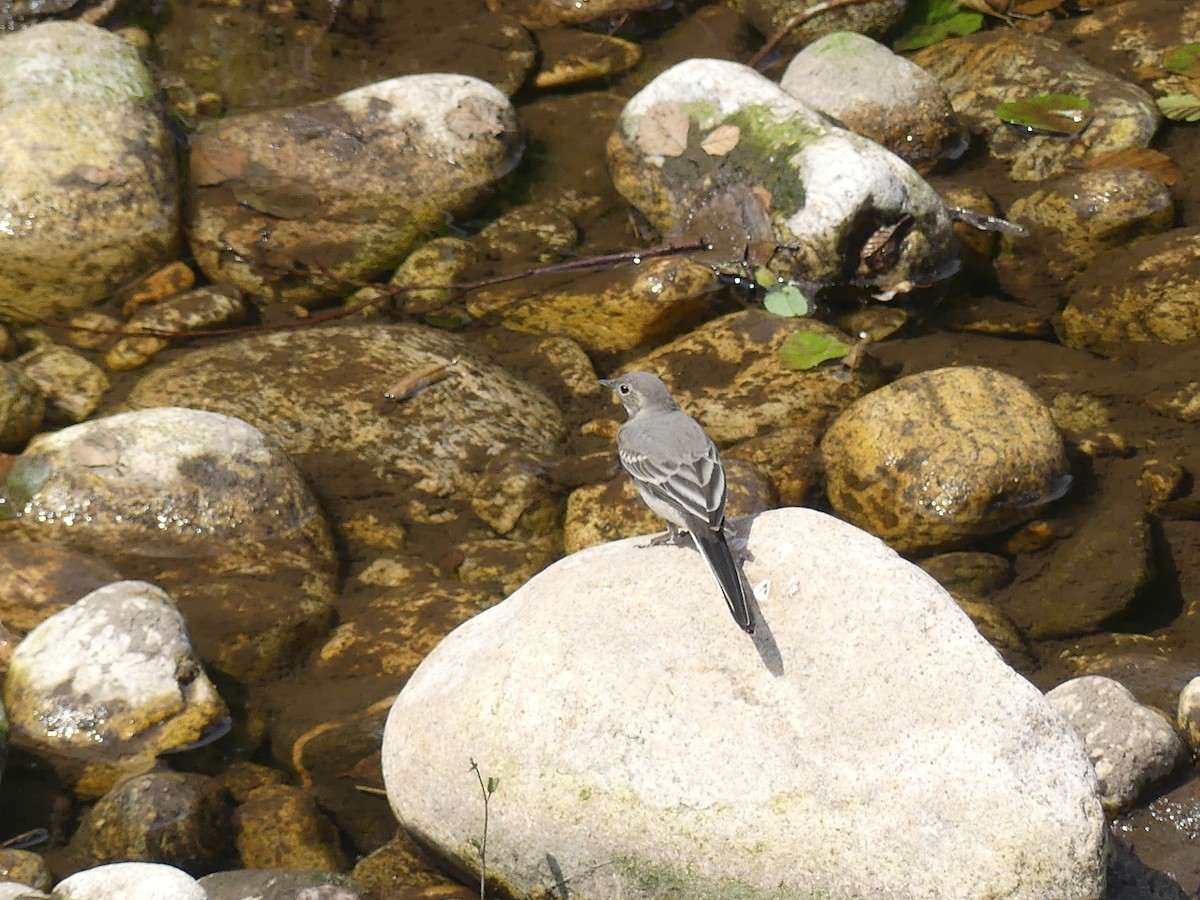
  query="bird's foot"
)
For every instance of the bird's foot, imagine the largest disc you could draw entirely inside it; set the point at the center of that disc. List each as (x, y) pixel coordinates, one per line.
(675, 536)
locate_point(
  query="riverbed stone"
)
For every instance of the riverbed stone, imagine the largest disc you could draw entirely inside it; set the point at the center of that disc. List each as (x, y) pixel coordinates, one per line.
(180, 819)
(442, 437)
(146, 881)
(25, 867)
(937, 458)
(346, 186)
(714, 151)
(1131, 745)
(205, 506)
(537, 15)
(874, 19)
(268, 884)
(71, 384)
(878, 94)
(980, 71)
(1156, 300)
(280, 827)
(88, 186)
(106, 685)
(571, 56)
(22, 407)
(38, 580)
(201, 309)
(729, 375)
(625, 797)
(1187, 716)
(1074, 221)
(609, 311)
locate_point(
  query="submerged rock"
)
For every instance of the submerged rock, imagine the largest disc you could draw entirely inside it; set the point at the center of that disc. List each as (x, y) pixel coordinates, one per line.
(948, 756)
(347, 185)
(88, 185)
(204, 506)
(939, 457)
(146, 881)
(108, 684)
(983, 70)
(714, 150)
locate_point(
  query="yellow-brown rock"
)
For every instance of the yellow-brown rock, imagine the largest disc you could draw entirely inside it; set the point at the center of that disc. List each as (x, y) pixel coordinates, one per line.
(940, 457)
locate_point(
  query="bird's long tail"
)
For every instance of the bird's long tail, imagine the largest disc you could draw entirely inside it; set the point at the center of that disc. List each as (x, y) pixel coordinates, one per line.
(724, 567)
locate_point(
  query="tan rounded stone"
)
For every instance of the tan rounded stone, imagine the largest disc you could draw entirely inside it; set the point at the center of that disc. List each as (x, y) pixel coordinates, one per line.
(940, 457)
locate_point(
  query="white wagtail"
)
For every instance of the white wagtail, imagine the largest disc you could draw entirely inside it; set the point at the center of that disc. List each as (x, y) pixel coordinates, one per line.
(676, 469)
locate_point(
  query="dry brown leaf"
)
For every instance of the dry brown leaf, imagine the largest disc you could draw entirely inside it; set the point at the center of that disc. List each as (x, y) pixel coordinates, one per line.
(721, 140)
(1152, 161)
(98, 176)
(998, 8)
(882, 249)
(474, 118)
(663, 130)
(763, 195)
(214, 161)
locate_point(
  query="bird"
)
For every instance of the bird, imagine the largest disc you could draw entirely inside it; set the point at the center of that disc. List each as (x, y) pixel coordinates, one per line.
(676, 468)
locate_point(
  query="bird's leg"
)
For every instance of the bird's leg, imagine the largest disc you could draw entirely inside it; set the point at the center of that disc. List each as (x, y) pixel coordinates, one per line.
(675, 536)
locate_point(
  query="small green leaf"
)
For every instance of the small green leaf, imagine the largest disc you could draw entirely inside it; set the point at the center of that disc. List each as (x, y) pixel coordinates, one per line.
(1184, 60)
(1047, 113)
(787, 301)
(929, 21)
(492, 784)
(765, 278)
(808, 349)
(1180, 107)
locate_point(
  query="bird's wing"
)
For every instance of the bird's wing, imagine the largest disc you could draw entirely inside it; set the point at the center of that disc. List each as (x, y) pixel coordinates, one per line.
(672, 459)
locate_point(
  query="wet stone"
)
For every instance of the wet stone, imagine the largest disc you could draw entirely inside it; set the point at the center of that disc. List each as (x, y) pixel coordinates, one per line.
(717, 152)
(1074, 221)
(280, 827)
(25, 867)
(440, 437)
(1188, 715)
(72, 384)
(981, 71)
(88, 187)
(109, 683)
(38, 580)
(1156, 299)
(729, 375)
(22, 406)
(571, 57)
(196, 310)
(348, 185)
(874, 19)
(179, 819)
(541, 14)
(970, 574)
(937, 458)
(611, 311)
(264, 884)
(879, 95)
(788, 457)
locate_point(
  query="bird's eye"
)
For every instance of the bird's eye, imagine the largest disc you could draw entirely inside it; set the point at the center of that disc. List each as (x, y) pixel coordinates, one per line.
(624, 389)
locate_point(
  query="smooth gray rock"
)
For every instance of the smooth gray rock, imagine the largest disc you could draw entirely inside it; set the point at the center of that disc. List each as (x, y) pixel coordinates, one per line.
(639, 737)
(145, 881)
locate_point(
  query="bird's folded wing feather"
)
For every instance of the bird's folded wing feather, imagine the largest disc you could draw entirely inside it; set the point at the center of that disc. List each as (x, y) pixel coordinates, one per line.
(683, 470)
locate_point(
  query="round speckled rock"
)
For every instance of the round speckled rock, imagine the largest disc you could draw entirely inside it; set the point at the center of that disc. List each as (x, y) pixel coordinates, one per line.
(1156, 299)
(937, 458)
(108, 684)
(22, 406)
(88, 182)
(349, 184)
(1075, 220)
(539, 14)
(878, 94)
(1131, 745)
(875, 18)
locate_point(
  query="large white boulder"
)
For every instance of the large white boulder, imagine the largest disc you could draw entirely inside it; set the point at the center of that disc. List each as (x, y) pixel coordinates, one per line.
(867, 742)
